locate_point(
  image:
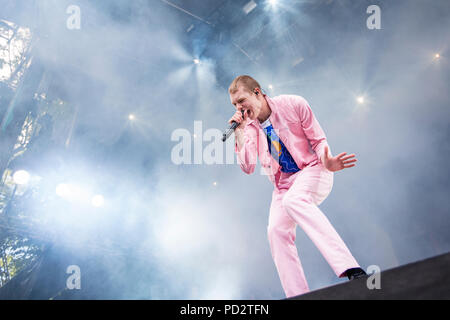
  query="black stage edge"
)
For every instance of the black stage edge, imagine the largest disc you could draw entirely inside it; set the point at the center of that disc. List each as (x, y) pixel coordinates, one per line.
(426, 279)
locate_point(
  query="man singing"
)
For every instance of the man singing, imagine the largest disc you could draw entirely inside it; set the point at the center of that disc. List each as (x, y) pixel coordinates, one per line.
(292, 148)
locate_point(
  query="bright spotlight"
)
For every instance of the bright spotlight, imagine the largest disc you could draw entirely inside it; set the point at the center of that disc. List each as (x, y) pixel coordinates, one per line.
(214, 183)
(273, 3)
(63, 190)
(270, 86)
(360, 100)
(98, 201)
(196, 61)
(131, 117)
(437, 55)
(21, 177)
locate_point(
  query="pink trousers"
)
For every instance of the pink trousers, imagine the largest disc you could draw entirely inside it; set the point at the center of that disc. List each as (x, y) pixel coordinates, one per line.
(295, 202)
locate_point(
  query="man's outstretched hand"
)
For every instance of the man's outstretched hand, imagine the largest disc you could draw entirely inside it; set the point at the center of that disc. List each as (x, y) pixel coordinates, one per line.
(338, 162)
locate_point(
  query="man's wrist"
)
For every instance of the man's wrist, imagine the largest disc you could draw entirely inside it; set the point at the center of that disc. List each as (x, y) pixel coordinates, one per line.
(239, 138)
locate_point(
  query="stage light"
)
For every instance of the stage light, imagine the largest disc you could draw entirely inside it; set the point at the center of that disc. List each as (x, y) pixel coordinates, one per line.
(131, 117)
(214, 183)
(273, 3)
(21, 177)
(98, 201)
(270, 86)
(360, 99)
(63, 190)
(196, 61)
(437, 55)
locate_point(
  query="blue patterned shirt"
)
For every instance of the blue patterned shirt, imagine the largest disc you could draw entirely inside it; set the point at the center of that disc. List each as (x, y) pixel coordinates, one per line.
(278, 150)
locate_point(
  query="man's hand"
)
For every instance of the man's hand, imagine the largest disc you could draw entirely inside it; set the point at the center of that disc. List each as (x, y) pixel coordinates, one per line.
(241, 118)
(339, 162)
(239, 131)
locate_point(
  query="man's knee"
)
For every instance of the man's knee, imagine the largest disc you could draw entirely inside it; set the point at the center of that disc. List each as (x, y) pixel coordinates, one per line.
(278, 232)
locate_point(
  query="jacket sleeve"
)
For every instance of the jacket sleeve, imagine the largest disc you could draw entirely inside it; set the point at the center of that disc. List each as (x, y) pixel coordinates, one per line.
(247, 155)
(311, 127)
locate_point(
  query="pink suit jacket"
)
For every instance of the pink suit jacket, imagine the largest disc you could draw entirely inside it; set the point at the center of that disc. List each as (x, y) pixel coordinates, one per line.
(297, 127)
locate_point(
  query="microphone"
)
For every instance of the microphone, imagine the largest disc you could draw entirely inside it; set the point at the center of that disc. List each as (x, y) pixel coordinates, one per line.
(230, 130)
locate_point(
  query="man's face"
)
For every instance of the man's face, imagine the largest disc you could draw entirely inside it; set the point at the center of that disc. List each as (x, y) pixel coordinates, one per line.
(243, 99)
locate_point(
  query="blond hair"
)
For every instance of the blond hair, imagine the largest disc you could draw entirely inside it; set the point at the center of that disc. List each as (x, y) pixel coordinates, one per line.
(247, 82)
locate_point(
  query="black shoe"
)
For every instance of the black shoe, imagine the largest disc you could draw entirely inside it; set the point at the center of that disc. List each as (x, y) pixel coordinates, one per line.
(355, 273)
